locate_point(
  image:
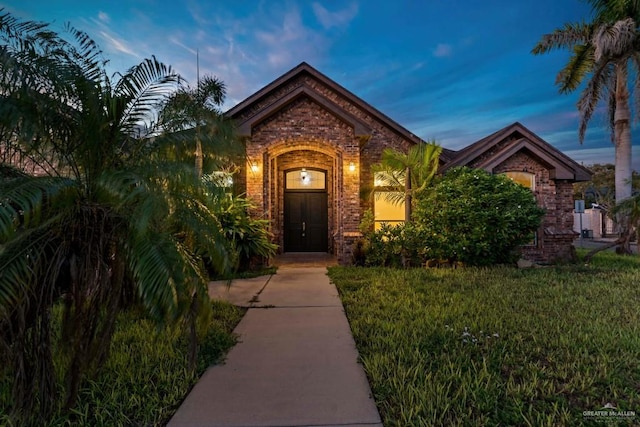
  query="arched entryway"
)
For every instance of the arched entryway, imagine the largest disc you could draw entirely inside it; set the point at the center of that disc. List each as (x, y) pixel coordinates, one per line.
(305, 210)
(303, 196)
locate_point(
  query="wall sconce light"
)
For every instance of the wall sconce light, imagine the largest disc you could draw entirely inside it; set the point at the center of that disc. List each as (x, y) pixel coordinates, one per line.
(254, 168)
(352, 167)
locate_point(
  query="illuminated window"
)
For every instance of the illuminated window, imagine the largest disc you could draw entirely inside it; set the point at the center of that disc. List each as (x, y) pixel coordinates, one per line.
(528, 180)
(525, 179)
(386, 211)
(388, 205)
(305, 179)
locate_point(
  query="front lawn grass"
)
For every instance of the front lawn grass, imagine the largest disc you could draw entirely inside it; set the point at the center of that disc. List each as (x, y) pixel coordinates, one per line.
(498, 346)
(145, 378)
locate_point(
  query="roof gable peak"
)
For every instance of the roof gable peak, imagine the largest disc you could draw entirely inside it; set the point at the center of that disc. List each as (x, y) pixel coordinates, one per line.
(521, 139)
(304, 68)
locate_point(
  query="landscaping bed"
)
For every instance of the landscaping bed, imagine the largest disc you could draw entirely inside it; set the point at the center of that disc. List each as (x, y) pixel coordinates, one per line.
(498, 346)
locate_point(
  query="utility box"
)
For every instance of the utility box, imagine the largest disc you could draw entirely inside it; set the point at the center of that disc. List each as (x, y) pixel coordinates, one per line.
(587, 234)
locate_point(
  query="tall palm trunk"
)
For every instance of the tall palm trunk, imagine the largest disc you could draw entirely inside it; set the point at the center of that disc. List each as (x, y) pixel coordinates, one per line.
(622, 129)
(199, 158)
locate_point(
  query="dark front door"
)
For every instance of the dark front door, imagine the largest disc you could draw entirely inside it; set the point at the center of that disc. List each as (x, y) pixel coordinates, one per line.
(305, 222)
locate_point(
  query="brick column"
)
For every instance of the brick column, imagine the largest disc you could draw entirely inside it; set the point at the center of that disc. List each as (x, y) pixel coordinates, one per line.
(351, 211)
(255, 168)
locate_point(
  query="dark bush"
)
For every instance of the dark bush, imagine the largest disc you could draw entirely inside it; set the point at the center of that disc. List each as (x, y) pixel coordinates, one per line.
(476, 218)
(249, 237)
(390, 246)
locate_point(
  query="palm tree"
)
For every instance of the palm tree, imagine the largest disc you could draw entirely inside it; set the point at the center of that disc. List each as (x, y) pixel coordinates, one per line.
(112, 215)
(406, 175)
(603, 51)
(192, 118)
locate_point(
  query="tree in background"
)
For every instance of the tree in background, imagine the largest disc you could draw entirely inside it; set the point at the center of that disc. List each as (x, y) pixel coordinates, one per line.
(115, 214)
(630, 208)
(601, 188)
(192, 119)
(606, 57)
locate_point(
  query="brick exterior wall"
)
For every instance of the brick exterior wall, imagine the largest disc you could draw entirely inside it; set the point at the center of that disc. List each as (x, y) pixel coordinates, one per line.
(304, 134)
(555, 235)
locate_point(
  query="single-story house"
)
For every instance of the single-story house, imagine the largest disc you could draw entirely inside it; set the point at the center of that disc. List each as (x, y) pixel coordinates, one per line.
(310, 144)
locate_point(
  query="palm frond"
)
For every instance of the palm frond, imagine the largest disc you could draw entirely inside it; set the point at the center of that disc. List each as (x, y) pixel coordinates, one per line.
(424, 160)
(211, 92)
(614, 10)
(162, 269)
(388, 178)
(195, 218)
(391, 196)
(614, 40)
(25, 261)
(579, 66)
(86, 54)
(24, 199)
(143, 87)
(570, 35)
(592, 93)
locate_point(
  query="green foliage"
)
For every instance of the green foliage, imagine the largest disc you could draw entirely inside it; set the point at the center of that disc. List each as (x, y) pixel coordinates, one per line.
(145, 378)
(604, 64)
(193, 122)
(601, 188)
(477, 218)
(249, 236)
(421, 162)
(497, 346)
(115, 218)
(399, 245)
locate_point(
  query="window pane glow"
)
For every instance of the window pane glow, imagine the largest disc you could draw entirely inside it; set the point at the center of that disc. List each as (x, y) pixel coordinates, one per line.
(528, 180)
(305, 179)
(387, 212)
(525, 179)
(379, 179)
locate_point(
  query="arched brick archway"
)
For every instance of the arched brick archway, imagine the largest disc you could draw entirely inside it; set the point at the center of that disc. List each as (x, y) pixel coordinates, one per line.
(284, 156)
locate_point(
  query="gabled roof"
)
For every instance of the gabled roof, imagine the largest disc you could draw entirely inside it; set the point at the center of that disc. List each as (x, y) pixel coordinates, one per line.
(360, 127)
(561, 166)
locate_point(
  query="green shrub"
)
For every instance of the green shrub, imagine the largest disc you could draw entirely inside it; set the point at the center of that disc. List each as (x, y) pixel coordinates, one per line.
(391, 246)
(476, 218)
(394, 246)
(249, 236)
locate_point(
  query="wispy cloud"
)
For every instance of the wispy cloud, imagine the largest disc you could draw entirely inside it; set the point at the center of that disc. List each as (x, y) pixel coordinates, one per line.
(117, 44)
(288, 40)
(104, 17)
(339, 18)
(443, 50)
(177, 40)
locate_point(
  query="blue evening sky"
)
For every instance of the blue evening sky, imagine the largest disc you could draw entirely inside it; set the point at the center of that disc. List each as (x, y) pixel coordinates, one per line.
(450, 70)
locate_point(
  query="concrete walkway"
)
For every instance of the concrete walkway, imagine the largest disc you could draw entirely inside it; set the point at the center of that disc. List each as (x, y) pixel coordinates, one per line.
(295, 365)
